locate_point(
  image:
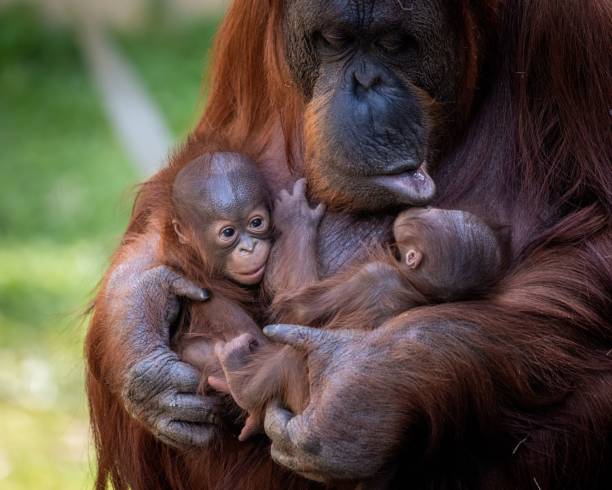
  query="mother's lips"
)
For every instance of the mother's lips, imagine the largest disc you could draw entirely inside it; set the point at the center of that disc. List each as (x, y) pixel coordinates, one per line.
(401, 169)
(414, 186)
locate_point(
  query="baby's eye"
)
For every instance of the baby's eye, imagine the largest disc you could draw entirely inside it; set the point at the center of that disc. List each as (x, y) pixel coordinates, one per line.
(256, 223)
(228, 232)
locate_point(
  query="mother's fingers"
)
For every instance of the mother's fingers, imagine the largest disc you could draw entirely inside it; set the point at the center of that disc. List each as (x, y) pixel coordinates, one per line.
(296, 465)
(184, 434)
(291, 433)
(191, 408)
(275, 425)
(293, 446)
(182, 377)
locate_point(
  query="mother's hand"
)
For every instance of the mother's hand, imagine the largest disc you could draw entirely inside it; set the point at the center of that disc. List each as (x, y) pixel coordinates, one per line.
(354, 420)
(157, 388)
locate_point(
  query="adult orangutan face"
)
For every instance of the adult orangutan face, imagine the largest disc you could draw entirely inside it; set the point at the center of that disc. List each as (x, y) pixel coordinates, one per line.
(370, 72)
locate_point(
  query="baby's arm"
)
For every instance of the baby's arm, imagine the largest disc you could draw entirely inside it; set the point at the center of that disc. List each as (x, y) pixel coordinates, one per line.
(363, 296)
(293, 261)
(257, 372)
(200, 353)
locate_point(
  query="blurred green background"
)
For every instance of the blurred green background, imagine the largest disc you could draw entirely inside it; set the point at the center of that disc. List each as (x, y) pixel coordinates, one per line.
(66, 186)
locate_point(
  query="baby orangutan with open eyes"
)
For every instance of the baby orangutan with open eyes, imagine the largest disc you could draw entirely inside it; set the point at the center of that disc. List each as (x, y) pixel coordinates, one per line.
(220, 236)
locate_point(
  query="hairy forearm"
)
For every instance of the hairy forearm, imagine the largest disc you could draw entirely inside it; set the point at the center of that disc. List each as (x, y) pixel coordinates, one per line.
(364, 295)
(454, 380)
(112, 332)
(312, 305)
(293, 263)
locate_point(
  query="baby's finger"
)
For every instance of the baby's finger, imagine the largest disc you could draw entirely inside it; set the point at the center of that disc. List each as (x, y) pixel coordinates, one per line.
(218, 384)
(319, 211)
(299, 188)
(251, 427)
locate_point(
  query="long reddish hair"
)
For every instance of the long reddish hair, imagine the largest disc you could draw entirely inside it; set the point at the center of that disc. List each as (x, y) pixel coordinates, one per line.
(537, 131)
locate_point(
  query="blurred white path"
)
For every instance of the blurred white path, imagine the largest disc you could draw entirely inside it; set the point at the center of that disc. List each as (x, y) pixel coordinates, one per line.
(134, 116)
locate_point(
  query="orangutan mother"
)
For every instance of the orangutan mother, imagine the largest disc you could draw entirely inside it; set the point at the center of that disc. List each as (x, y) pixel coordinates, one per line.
(508, 102)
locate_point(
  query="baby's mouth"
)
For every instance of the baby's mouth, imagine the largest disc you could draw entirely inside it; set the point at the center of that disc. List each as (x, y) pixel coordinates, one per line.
(253, 272)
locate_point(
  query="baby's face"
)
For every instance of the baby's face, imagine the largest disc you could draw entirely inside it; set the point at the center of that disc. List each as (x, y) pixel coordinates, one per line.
(222, 205)
(241, 243)
(245, 242)
(235, 243)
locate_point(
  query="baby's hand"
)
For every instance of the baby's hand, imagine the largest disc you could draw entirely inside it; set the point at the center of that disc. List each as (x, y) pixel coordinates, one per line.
(200, 353)
(235, 357)
(292, 211)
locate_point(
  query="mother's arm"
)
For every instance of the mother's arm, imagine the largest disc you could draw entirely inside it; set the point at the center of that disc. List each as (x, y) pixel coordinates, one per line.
(530, 362)
(130, 363)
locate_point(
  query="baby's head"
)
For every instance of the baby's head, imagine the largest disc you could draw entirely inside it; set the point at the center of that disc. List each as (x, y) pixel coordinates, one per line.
(221, 209)
(454, 253)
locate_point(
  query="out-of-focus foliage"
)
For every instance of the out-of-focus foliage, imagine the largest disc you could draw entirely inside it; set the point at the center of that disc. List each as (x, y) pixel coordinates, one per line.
(65, 193)
(62, 169)
(171, 60)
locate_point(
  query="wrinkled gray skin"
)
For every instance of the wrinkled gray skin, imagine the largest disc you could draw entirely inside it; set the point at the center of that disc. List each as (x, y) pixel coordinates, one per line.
(157, 388)
(417, 51)
(352, 447)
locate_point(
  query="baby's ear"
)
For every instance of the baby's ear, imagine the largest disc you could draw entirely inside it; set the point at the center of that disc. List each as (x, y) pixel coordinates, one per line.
(413, 258)
(178, 229)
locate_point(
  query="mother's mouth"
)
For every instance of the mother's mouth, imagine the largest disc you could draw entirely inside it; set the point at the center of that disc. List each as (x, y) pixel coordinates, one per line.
(414, 187)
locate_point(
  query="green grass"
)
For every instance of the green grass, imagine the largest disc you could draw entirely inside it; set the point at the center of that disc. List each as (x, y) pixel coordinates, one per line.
(65, 195)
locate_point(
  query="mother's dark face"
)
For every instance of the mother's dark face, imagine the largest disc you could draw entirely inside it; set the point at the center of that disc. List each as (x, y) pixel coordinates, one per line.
(372, 74)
